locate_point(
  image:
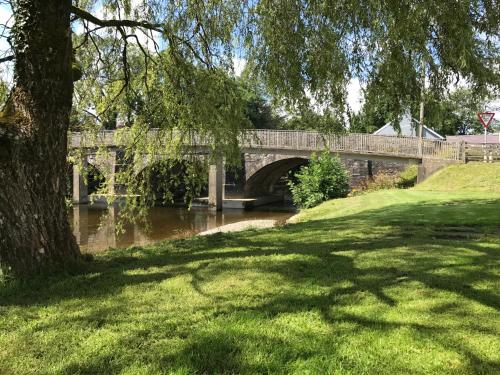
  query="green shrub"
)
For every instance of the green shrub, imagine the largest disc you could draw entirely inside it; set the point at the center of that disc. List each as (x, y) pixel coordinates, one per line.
(324, 178)
(408, 178)
(384, 180)
(380, 181)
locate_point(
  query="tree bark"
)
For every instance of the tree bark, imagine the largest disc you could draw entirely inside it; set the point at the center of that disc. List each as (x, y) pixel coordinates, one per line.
(34, 228)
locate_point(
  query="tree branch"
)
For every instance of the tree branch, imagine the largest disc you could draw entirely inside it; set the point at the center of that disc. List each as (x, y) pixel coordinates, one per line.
(84, 15)
(6, 59)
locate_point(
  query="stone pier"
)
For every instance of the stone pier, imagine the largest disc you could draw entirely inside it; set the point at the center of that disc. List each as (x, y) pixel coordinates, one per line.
(80, 189)
(106, 164)
(216, 185)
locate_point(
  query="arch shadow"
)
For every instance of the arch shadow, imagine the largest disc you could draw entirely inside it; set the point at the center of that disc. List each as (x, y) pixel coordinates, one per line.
(264, 181)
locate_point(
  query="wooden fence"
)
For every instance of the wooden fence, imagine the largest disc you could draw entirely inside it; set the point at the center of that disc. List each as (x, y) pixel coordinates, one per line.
(366, 144)
(482, 152)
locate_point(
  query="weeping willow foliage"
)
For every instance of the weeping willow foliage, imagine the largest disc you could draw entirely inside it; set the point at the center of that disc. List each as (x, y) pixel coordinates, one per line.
(184, 115)
(180, 81)
(317, 46)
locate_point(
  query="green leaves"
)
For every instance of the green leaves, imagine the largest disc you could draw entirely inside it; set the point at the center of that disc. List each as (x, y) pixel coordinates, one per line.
(307, 51)
(324, 178)
(455, 113)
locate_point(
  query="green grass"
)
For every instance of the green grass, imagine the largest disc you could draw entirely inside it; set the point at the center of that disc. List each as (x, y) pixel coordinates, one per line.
(465, 177)
(391, 282)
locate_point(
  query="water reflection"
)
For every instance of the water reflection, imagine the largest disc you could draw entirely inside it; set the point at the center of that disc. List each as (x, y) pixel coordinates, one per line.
(95, 231)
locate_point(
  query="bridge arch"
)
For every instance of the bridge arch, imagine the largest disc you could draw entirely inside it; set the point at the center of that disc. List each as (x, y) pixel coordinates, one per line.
(80, 184)
(264, 171)
(261, 179)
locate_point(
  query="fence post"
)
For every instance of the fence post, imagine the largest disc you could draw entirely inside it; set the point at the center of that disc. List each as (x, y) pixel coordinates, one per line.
(463, 155)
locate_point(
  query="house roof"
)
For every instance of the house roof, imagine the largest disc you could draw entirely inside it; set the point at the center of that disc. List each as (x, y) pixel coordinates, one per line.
(490, 138)
(408, 128)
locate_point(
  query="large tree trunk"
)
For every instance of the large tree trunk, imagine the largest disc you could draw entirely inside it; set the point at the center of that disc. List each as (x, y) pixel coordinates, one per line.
(34, 229)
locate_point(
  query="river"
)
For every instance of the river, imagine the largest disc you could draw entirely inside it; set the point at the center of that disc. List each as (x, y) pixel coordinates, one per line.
(95, 231)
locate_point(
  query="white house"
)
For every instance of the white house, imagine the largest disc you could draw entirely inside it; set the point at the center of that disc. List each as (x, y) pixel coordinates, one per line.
(409, 128)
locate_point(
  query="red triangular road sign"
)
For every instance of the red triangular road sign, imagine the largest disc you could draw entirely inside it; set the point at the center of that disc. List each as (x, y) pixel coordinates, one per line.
(486, 118)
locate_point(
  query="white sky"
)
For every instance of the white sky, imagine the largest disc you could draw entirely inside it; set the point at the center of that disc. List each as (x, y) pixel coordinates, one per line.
(354, 95)
(239, 65)
(5, 19)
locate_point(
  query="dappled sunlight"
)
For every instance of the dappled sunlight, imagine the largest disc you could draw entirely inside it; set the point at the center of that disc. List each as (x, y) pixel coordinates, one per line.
(308, 295)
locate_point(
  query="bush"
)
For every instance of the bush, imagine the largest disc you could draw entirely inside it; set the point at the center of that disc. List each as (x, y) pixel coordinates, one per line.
(324, 178)
(408, 178)
(384, 180)
(381, 181)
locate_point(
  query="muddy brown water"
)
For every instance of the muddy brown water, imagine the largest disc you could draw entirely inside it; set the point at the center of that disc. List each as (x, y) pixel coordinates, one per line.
(94, 227)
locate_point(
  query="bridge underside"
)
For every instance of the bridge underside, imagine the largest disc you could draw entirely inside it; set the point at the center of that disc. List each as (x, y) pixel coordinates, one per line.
(263, 181)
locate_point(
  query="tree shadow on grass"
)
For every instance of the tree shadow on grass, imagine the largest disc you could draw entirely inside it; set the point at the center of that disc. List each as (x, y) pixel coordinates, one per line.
(374, 252)
(223, 350)
(108, 274)
(217, 351)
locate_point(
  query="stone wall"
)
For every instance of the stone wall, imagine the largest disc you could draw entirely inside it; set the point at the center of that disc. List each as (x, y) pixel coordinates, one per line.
(431, 166)
(262, 170)
(390, 167)
(362, 170)
(359, 170)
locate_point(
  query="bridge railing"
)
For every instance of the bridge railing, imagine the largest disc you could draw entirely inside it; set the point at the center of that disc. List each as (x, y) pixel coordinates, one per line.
(443, 150)
(90, 139)
(354, 143)
(407, 147)
(117, 138)
(314, 141)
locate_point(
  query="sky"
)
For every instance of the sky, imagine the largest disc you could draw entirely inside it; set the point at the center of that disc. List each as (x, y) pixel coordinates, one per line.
(5, 19)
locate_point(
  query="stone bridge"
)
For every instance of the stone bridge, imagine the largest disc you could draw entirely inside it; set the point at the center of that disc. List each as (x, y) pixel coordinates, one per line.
(270, 154)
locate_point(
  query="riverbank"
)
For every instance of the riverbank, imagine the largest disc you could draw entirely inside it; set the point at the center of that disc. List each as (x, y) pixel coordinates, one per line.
(241, 226)
(387, 282)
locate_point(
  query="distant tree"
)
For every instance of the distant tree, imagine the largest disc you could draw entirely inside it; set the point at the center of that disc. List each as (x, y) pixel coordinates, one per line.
(456, 113)
(374, 114)
(258, 107)
(451, 113)
(309, 119)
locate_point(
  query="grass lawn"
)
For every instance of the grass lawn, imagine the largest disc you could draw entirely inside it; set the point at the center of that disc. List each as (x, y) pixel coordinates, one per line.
(392, 282)
(465, 177)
